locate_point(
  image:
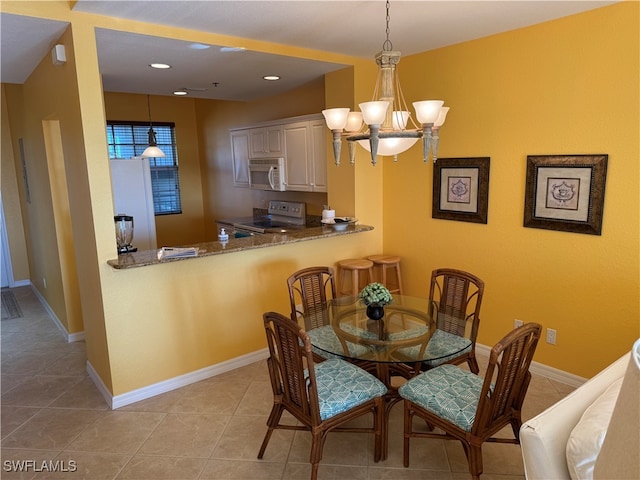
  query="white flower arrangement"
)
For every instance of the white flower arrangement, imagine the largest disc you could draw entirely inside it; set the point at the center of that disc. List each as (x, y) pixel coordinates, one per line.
(375, 294)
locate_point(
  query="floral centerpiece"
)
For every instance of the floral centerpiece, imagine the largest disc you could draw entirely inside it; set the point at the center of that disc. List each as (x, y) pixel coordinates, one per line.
(375, 296)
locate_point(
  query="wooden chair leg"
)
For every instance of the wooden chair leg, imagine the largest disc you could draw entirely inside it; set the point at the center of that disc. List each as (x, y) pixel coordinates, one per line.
(475, 461)
(272, 422)
(473, 364)
(408, 418)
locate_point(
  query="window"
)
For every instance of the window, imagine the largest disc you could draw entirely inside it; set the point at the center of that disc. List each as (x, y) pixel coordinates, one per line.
(129, 139)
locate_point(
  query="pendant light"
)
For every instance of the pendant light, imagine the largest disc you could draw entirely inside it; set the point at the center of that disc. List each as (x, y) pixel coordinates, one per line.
(152, 150)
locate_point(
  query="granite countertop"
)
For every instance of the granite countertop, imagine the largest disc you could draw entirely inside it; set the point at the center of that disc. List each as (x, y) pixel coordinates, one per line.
(150, 257)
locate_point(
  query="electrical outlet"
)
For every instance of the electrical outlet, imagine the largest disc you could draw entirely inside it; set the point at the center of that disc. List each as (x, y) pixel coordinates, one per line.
(551, 336)
(517, 323)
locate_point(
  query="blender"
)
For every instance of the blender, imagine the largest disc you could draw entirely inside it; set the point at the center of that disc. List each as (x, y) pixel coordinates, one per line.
(124, 233)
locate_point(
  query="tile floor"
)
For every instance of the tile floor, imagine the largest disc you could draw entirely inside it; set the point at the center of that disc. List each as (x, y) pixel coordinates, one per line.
(52, 415)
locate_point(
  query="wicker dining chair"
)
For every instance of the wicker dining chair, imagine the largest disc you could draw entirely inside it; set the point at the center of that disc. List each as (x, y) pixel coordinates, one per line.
(309, 291)
(322, 397)
(455, 299)
(312, 287)
(466, 407)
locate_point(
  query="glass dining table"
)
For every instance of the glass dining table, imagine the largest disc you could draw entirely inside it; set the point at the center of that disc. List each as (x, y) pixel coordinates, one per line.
(408, 338)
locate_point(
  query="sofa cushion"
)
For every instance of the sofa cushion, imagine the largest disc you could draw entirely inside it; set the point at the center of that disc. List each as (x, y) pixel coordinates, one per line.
(587, 436)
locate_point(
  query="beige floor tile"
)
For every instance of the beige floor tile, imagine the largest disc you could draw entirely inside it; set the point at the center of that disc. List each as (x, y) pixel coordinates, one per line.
(90, 466)
(299, 471)
(186, 436)
(340, 448)
(376, 473)
(257, 400)
(243, 437)
(160, 403)
(51, 429)
(143, 467)
(209, 396)
(83, 395)
(13, 417)
(38, 391)
(242, 470)
(117, 432)
(74, 363)
(25, 464)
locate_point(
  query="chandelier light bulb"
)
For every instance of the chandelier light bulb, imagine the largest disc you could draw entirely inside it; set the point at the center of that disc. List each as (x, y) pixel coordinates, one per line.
(427, 111)
(374, 112)
(336, 118)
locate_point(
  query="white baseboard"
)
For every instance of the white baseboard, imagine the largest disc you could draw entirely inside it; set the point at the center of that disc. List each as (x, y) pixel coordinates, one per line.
(71, 337)
(176, 382)
(540, 369)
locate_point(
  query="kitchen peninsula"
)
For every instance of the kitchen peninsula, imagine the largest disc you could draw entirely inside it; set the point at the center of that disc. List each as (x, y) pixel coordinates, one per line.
(150, 257)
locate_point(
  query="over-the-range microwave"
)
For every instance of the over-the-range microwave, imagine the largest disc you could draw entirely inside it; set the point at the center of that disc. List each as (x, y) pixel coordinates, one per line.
(267, 174)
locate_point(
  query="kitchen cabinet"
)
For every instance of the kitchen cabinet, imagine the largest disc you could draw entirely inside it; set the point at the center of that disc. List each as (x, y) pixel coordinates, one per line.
(301, 141)
(240, 157)
(266, 142)
(305, 156)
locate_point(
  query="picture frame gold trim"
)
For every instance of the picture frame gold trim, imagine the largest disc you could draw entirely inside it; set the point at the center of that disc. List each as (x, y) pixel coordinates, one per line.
(565, 192)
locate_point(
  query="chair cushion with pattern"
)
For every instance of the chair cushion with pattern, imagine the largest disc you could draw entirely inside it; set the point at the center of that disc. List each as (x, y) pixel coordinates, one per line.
(448, 391)
(440, 343)
(342, 386)
(326, 338)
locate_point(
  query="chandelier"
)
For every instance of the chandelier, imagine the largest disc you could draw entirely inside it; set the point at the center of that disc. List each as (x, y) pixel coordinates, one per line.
(387, 117)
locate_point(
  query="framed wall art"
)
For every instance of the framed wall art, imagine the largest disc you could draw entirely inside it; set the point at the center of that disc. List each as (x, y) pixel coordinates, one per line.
(565, 192)
(461, 189)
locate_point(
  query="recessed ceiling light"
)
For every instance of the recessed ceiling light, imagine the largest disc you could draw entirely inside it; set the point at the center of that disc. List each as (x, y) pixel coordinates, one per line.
(159, 65)
(271, 77)
(180, 92)
(199, 46)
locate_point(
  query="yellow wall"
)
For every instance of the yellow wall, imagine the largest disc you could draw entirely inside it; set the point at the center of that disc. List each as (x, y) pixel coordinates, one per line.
(568, 86)
(150, 324)
(47, 214)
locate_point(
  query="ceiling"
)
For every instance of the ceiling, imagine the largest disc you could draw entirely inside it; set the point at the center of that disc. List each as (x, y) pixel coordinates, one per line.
(355, 28)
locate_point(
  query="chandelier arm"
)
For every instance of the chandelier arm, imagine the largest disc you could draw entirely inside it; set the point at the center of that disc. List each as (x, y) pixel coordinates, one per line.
(435, 140)
(337, 145)
(352, 152)
(426, 143)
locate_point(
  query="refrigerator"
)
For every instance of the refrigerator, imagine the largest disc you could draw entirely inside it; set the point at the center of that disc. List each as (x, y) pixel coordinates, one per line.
(132, 195)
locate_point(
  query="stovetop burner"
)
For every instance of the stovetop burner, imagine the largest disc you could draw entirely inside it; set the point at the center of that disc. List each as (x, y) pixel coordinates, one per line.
(282, 217)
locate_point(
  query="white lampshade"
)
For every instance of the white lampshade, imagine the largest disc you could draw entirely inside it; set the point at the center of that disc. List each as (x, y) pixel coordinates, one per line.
(390, 146)
(354, 122)
(374, 112)
(336, 118)
(427, 111)
(441, 117)
(399, 119)
(152, 152)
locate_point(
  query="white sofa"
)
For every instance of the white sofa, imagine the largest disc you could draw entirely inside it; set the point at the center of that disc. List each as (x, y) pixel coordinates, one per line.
(544, 438)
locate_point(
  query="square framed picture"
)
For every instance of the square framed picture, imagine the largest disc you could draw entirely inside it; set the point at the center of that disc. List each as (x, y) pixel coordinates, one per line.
(565, 192)
(461, 189)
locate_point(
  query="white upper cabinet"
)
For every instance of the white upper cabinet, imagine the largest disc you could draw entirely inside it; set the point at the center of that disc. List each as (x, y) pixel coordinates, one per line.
(305, 156)
(266, 142)
(318, 130)
(302, 141)
(240, 157)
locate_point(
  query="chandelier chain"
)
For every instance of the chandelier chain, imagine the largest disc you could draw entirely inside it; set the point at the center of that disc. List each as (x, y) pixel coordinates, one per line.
(387, 46)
